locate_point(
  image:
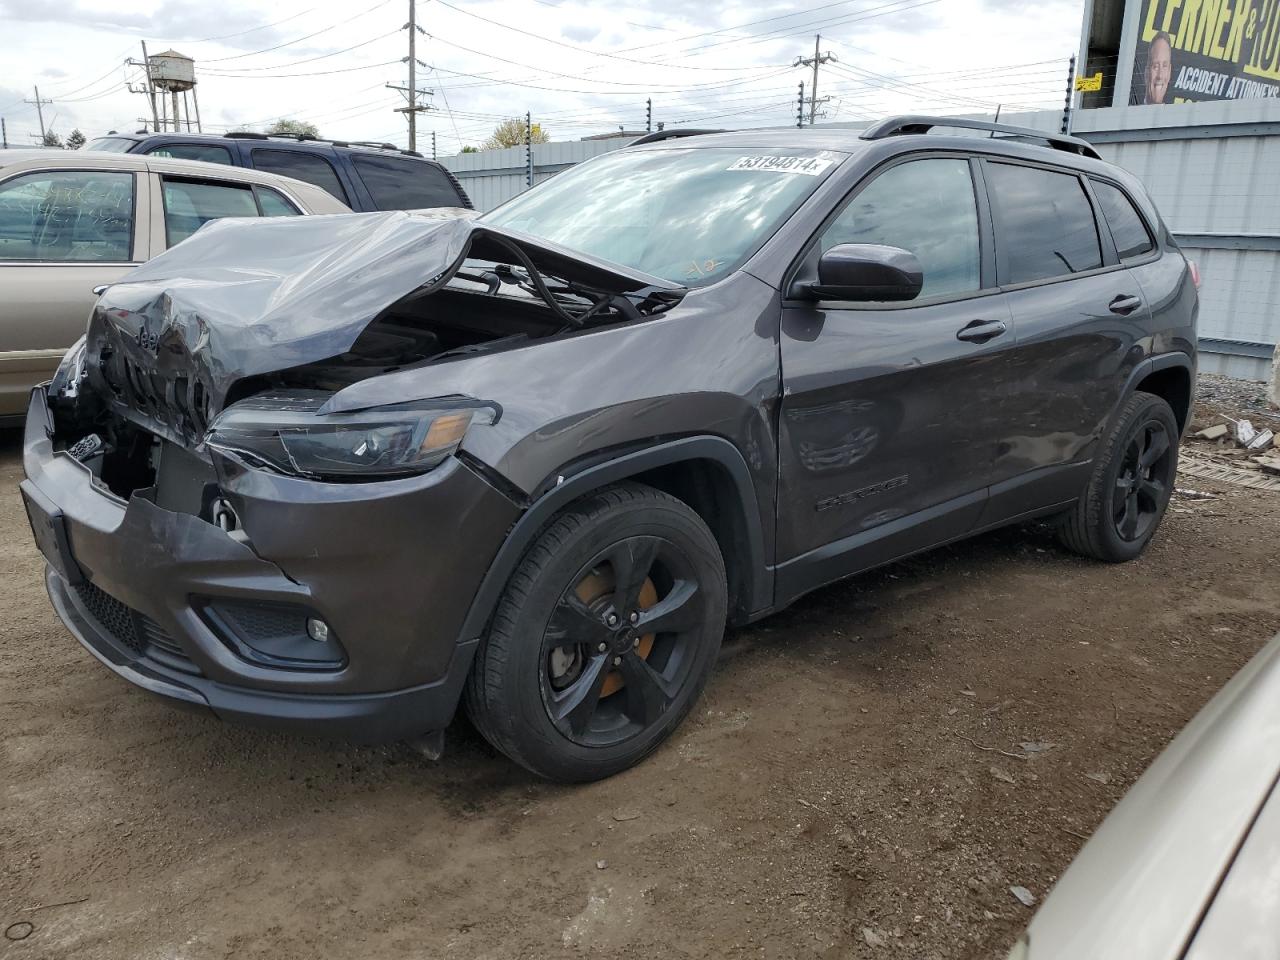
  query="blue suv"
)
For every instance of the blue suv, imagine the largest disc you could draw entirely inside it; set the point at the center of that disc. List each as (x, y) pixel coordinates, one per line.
(364, 176)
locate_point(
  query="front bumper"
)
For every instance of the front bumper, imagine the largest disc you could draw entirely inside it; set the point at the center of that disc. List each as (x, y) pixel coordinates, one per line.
(391, 566)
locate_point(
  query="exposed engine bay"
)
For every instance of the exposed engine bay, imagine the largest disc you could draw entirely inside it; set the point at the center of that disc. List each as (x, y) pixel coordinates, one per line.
(296, 310)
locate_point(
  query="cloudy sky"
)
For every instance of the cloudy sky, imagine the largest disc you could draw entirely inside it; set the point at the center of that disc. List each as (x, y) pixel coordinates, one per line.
(580, 66)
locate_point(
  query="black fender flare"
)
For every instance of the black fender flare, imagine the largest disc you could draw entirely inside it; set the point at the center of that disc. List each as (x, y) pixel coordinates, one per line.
(758, 581)
(1155, 364)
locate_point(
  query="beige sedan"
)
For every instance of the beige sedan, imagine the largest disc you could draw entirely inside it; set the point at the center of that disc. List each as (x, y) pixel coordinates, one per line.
(73, 221)
(1187, 866)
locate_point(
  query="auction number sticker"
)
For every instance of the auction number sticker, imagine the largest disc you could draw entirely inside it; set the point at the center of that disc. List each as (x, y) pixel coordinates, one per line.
(809, 166)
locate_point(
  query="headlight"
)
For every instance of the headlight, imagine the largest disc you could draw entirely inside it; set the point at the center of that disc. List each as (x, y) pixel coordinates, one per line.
(66, 380)
(284, 431)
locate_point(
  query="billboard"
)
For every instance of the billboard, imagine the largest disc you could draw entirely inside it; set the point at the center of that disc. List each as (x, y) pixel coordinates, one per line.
(1189, 50)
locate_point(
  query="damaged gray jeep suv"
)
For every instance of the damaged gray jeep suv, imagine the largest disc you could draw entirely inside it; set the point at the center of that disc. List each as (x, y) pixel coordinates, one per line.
(343, 474)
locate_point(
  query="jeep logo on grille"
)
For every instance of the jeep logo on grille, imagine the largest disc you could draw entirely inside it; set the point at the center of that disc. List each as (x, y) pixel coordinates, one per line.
(147, 340)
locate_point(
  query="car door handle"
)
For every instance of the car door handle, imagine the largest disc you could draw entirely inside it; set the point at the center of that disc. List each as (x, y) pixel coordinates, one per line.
(1124, 304)
(980, 331)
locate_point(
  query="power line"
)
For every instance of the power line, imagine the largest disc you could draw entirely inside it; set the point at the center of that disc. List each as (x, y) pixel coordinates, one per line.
(296, 110)
(739, 26)
(573, 46)
(486, 82)
(289, 43)
(567, 76)
(297, 63)
(885, 9)
(289, 76)
(798, 29)
(230, 36)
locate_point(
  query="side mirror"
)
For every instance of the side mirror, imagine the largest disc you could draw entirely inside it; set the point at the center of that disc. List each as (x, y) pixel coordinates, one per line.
(867, 272)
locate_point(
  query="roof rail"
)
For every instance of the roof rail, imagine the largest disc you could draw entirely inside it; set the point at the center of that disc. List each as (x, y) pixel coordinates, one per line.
(670, 135)
(308, 138)
(374, 144)
(897, 126)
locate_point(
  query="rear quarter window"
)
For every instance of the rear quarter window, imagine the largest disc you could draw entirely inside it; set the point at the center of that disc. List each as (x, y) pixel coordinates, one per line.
(207, 152)
(111, 145)
(1128, 229)
(399, 184)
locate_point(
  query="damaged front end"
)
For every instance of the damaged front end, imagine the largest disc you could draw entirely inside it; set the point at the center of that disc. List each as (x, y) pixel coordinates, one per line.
(218, 526)
(275, 317)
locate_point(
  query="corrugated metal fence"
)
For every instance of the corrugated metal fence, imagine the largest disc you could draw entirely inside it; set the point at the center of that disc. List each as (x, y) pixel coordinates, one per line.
(1212, 168)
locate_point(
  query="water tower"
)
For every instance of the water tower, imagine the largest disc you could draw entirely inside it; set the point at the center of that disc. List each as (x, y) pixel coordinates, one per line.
(172, 73)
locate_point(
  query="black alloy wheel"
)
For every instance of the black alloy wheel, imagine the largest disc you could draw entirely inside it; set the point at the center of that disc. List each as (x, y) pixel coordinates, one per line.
(618, 646)
(1132, 477)
(1143, 484)
(604, 637)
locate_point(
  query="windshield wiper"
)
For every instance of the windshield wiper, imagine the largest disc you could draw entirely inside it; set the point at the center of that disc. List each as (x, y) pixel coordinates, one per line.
(574, 303)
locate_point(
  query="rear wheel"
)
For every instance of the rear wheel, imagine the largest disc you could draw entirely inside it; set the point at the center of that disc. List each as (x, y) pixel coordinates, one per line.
(604, 636)
(1131, 483)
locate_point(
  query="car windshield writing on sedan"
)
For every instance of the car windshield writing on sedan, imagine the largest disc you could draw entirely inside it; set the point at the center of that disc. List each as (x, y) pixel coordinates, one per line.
(686, 215)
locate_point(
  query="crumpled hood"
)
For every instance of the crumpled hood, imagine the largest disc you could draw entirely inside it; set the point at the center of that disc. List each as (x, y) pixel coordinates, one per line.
(243, 297)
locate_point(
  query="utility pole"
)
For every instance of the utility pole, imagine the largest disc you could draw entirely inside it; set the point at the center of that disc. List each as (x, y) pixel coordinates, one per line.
(648, 115)
(433, 144)
(800, 106)
(413, 74)
(815, 61)
(413, 109)
(148, 88)
(4, 133)
(528, 149)
(39, 105)
(1071, 84)
(411, 92)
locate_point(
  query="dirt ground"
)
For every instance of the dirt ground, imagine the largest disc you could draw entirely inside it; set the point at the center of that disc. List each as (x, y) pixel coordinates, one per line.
(854, 784)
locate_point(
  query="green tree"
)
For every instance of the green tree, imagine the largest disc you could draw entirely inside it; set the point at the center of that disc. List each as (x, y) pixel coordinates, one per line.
(510, 133)
(470, 149)
(76, 140)
(51, 139)
(294, 128)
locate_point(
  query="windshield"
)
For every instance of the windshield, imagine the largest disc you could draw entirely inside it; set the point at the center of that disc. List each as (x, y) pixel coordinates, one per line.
(111, 144)
(689, 216)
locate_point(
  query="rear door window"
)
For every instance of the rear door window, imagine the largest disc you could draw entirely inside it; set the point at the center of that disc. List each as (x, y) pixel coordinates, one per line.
(1127, 227)
(67, 216)
(1044, 223)
(189, 205)
(208, 152)
(307, 167)
(398, 184)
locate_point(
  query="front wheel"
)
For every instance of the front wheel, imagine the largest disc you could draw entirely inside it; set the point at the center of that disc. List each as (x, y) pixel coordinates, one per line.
(1132, 480)
(603, 638)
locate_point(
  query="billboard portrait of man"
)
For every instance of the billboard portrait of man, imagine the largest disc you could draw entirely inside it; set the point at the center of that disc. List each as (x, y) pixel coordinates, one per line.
(1225, 50)
(1158, 72)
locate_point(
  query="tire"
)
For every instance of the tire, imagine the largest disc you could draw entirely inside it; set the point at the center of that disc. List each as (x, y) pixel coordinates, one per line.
(544, 692)
(1126, 497)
